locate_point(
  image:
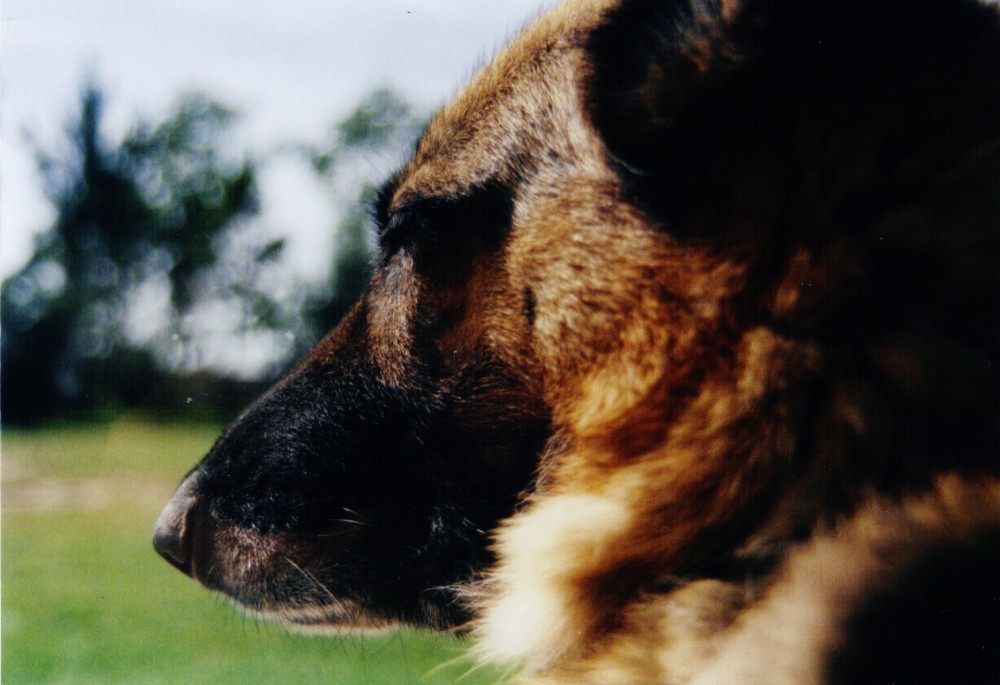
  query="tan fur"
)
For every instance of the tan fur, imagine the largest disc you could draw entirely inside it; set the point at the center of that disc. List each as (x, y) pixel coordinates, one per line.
(767, 398)
(614, 398)
(693, 637)
(668, 448)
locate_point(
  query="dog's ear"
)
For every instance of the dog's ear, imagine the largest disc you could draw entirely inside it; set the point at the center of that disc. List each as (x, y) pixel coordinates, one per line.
(653, 62)
(662, 73)
(747, 105)
(695, 101)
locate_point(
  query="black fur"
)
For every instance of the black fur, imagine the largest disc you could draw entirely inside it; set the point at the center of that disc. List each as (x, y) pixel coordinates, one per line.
(790, 103)
(938, 623)
(401, 479)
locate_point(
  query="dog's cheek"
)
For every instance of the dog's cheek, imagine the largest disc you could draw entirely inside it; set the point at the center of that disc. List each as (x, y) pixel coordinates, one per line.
(567, 266)
(607, 285)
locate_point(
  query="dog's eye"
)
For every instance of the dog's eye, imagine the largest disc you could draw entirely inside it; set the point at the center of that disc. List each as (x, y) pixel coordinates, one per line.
(397, 231)
(407, 222)
(473, 220)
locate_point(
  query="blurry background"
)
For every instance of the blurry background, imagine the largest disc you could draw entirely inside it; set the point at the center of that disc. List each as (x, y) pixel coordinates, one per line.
(183, 213)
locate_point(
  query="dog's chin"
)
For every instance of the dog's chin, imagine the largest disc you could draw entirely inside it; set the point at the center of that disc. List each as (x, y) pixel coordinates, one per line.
(337, 618)
(347, 617)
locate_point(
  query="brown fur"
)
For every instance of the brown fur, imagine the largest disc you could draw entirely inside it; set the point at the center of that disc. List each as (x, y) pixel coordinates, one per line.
(760, 324)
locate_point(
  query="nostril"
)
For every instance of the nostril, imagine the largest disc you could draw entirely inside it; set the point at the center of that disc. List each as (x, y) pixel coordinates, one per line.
(172, 536)
(172, 546)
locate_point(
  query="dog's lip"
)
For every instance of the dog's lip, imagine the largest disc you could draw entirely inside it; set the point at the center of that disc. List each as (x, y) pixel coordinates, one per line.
(336, 617)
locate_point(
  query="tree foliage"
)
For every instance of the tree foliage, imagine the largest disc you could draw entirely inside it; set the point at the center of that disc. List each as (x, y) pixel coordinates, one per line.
(149, 208)
(150, 242)
(382, 126)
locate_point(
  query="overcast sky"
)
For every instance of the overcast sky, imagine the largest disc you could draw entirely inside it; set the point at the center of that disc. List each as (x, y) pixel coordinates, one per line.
(292, 67)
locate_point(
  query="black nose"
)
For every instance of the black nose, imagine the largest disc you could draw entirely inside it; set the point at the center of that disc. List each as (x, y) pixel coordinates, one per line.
(174, 531)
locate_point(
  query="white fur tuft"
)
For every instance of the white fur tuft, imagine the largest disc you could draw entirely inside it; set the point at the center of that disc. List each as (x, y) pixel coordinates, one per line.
(535, 613)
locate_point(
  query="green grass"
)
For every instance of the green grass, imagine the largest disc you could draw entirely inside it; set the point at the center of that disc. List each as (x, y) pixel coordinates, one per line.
(86, 600)
(122, 447)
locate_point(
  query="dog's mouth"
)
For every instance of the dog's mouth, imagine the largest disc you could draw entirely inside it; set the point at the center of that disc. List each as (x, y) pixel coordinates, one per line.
(267, 574)
(311, 582)
(334, 617)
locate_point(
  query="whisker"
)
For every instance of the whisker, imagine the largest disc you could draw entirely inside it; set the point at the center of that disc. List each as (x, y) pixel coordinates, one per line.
(358, 516)
(315, 582)
(350, 521)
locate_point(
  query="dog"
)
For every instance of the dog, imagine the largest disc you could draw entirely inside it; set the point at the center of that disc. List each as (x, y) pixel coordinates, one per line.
(679, 363)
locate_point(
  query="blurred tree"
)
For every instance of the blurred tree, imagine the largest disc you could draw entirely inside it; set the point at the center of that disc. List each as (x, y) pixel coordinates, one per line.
(151, 244)
(151, 208)
(382, 126)
(194, 194)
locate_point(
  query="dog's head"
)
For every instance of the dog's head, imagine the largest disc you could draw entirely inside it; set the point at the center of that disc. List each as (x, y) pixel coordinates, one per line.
(673, 256)
(363, 487)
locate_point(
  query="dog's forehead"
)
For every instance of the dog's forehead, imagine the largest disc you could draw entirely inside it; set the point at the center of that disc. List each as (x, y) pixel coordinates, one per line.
(512, 113)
